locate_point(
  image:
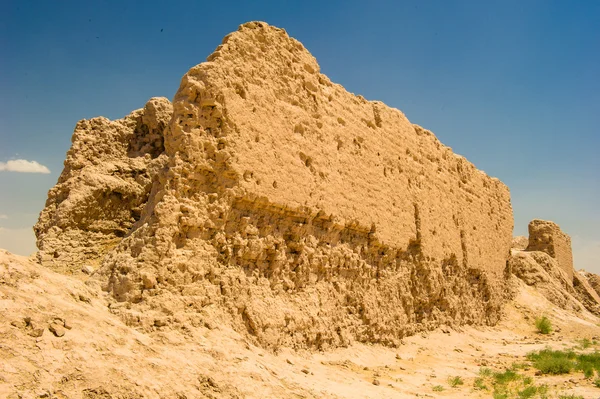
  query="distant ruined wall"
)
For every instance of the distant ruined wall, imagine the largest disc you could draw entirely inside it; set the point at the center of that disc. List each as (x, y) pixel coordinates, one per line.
(593, 280)
(103, 188)
(547, 263)
(586, 294)
(312, 216)
(547, 237)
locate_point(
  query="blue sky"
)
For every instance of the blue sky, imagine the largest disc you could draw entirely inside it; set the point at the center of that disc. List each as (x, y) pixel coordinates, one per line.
(514, 85)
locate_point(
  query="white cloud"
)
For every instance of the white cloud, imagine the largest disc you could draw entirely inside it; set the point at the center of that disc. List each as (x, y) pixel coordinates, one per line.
(3, 216)
(23, 166)
(20, 241)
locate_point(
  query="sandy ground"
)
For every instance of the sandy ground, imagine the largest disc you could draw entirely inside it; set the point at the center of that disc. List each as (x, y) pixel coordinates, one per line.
(101, 357)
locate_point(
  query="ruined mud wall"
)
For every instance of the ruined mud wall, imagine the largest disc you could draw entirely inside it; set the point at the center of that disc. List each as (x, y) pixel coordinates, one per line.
(547, 263)
(305, 215)
(593, 280)
(547, 237)
(315, 216)
(103, 188)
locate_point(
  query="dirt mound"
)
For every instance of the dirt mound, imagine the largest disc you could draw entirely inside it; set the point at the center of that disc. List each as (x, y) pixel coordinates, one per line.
(540, 270)
(61, 338)
(520, 243)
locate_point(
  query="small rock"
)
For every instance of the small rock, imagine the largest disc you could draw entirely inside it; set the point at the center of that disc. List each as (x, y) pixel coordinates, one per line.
(57, 329)
(398, 356)
(36, 332)
(18, 324)
(458, 350)
(376, 382)
(148, 280)
(538, 373)
(305, 371)
(87, 269)
(67, 325)
(289, 362)
(160, 322)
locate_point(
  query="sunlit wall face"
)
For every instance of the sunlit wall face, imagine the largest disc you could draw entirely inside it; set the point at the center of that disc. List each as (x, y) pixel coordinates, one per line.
(511, 86)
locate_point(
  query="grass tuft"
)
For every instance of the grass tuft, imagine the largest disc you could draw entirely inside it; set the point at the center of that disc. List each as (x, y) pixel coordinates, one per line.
(506, 377)
(480, 384)
(549, 361)
(585, 343)
(438, 388)
(543, 325)
(455, 381)
(528, 392)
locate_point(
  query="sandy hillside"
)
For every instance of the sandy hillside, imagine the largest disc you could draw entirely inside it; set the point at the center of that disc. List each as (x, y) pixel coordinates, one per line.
(99, 356)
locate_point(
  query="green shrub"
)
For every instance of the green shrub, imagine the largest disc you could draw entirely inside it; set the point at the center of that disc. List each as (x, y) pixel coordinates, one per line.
(506, 377)
(438, 388)
(585, 343)
(549, 361)
(520, 366)
(588, 370)
(527, 392)
(588, 362)
(543, 325)
(571, 396)
(455, 381)
(480, 384)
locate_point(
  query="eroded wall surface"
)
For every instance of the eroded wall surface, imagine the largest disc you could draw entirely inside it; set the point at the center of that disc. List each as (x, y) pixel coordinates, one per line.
(103, 188)
(313, 216)
(547, 237)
